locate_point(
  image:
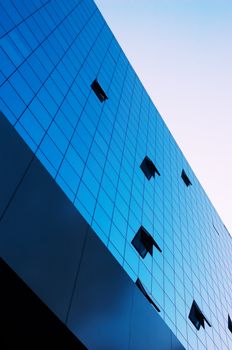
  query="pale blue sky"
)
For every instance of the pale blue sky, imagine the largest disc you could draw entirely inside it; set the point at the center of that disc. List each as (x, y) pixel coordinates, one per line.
(182, 52)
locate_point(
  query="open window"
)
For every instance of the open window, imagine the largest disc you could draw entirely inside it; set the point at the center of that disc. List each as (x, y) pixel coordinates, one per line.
(214, 226)
(197, 317)
(148, 167)
(186, 178)
(100, 93)
(229, 323)
(144, 242)
(143, 290)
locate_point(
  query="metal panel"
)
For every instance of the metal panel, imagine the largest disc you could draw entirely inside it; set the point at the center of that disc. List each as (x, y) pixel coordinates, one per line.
(42, 233)
(148, 330)
(102, 303)
(14, 159)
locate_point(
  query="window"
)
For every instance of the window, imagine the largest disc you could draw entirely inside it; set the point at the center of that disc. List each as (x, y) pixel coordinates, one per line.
(141, 287)
(214, 226)
(148, 168)
(100, 93)
(229, 323)
(143, 242)
(185, 178)
(197, 317)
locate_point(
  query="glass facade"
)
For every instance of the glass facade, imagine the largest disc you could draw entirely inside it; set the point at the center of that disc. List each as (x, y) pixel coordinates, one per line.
(51, 53)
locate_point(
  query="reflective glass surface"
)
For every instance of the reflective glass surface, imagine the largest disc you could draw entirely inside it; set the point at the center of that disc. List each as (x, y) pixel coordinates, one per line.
(51, 52)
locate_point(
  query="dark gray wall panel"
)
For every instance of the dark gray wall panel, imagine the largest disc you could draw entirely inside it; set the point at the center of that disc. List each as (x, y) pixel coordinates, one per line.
(148, 330)
(42, 238)
(41, 233)
(14, 159)
(101, 309)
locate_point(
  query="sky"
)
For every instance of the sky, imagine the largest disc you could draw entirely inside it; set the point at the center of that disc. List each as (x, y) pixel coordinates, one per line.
(182, 52)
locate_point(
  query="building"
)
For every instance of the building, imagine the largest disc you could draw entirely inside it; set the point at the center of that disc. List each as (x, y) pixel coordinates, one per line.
(101, 214)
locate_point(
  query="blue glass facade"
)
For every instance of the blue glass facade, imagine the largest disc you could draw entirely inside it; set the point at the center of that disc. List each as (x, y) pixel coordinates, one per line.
(51, 52)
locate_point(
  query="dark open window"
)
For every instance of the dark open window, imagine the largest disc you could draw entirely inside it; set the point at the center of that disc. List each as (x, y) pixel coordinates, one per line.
(148, 167)
(99, 91)
(214, 226)
(143, 290)
(185, 178)
(229, 323)
(197, 317)
(144, 242)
